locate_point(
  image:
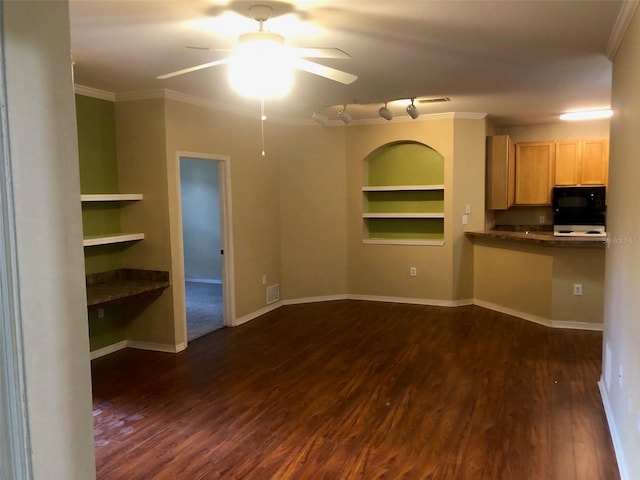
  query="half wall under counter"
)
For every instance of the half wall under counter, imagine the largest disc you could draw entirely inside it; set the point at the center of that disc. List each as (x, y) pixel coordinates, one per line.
(531, 274)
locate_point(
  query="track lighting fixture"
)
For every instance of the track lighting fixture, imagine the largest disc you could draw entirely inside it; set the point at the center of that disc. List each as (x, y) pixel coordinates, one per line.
(412, 110)
(385, 113)
(344, 115)
(320, 118)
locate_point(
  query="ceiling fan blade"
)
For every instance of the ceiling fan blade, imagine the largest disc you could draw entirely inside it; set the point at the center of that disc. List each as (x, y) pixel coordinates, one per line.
(326, 72)
(193, 69)
(321, 53)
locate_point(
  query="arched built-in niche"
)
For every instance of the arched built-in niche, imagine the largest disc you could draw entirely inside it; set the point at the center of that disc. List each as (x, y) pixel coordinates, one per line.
(403, 195)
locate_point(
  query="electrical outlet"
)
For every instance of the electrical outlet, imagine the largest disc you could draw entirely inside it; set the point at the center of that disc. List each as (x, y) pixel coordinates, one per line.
(465, 219)
(101, 313)
(264, 279)
(467, 209)
(413, 271)
(577, 289)
(541, 219)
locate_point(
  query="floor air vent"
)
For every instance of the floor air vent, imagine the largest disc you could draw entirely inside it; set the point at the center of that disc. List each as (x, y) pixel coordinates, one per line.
(273, 293)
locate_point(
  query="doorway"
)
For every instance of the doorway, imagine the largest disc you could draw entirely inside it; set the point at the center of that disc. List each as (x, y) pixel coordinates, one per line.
(202, 239)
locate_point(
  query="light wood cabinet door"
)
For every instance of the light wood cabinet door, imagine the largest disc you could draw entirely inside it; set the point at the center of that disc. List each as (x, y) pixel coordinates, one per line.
(568, 157)
(582, 162)
(501, 170)
(595, 162)
(534, 173)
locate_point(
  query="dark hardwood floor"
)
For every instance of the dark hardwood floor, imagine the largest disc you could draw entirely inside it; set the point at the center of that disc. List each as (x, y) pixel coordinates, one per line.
(358, 390)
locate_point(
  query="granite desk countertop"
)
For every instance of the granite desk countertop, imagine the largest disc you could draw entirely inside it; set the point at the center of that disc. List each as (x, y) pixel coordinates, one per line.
(536, 235)
(117, 285)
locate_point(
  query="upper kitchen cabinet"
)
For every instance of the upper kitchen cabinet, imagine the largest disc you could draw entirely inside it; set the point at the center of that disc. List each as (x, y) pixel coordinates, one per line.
(534, 173)
(501, 172)
(582, 162)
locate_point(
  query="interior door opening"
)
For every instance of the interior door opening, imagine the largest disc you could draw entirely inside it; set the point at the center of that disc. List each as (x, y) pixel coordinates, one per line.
(202, 239)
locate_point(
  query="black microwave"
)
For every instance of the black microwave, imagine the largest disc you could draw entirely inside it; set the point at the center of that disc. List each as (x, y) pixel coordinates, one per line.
(584, 205)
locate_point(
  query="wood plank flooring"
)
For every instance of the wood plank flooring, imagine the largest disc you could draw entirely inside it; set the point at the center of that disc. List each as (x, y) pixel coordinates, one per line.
(358, 390)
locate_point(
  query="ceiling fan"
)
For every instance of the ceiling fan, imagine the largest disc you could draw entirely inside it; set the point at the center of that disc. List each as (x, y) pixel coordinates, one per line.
(262, 65)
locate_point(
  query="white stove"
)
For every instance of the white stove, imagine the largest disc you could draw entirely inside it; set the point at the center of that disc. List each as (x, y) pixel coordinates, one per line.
(579, 231)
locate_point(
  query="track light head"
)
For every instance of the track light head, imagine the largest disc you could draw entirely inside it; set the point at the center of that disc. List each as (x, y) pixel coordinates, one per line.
(412, 110)
(385, 113)
(344, 115)
(320, 118)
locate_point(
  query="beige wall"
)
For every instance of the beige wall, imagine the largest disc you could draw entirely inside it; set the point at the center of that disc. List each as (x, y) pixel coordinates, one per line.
(443, 272)
(140, 138)
(558, 131)
(254, 192)
(46, 194)
(536, 282)
(514, 279)
(622, 281)
(313, 211)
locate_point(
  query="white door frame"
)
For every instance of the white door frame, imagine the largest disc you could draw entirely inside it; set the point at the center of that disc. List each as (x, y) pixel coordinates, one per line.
(226, 235)
(15, 448)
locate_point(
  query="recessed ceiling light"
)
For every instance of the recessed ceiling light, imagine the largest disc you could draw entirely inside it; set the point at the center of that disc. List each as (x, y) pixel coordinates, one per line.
(587, 114)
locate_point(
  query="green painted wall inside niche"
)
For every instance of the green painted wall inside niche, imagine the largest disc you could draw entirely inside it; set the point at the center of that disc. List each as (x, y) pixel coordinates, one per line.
(404, 163)
(98, 174)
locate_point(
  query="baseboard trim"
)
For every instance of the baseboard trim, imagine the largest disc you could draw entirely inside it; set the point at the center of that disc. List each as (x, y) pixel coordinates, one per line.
(412, 301)
(114, 347)
(613, 431)
(253, 315)
(156, 347)
(540, 320)
(325, 298)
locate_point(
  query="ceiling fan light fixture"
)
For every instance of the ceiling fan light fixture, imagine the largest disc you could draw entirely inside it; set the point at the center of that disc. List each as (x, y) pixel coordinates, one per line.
(262, 66)
(385, 113)
(344, 115)
(412, 110)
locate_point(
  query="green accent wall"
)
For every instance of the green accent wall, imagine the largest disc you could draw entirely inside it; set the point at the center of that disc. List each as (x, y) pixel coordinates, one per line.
(405, 163)
(99, 174)
(400, 164)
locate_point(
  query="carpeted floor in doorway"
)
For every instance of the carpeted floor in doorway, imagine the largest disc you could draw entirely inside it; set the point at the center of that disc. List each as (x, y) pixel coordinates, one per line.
(204, 308)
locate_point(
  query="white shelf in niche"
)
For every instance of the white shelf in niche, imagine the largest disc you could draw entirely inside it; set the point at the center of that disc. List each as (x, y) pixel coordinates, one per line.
(403, 215)
(401, 241)
(111, 197)
(400, 188)
(95, 240)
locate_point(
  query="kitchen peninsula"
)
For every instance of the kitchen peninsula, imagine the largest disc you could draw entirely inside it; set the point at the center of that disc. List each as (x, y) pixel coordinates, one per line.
(530, 273)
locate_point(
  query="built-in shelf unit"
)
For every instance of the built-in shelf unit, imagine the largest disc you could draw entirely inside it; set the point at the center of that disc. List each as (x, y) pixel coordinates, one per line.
(400, 204)
(110, 238)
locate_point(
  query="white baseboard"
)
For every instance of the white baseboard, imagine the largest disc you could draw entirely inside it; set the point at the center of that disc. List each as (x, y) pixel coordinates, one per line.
(540, 320)
(615, 438)
(202, 280)
(413, 301)
(250, 316)
(324, 298)
(114, 347)
(156, 347)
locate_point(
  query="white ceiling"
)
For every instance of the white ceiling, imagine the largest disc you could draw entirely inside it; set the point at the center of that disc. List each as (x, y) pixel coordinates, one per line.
(521, 62)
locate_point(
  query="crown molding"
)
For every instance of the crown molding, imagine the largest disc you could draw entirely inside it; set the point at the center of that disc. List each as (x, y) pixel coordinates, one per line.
(621, 26)
(94, 93)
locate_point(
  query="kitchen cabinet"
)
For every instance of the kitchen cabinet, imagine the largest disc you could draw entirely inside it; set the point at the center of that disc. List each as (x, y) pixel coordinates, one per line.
(582, 162)
(534, 173)
(501, 172)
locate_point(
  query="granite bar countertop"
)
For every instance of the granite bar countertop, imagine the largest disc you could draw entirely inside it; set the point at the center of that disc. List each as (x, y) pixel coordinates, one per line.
(537, 235)
(118, 285)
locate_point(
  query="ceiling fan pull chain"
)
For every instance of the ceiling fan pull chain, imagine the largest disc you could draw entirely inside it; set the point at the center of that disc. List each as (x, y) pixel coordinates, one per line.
(263, 117)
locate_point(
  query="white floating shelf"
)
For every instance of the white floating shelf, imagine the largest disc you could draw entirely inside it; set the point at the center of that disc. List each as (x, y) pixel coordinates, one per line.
(95, 240)
(111, 197)
(403, 215)
(401, 188)
(398, 241)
